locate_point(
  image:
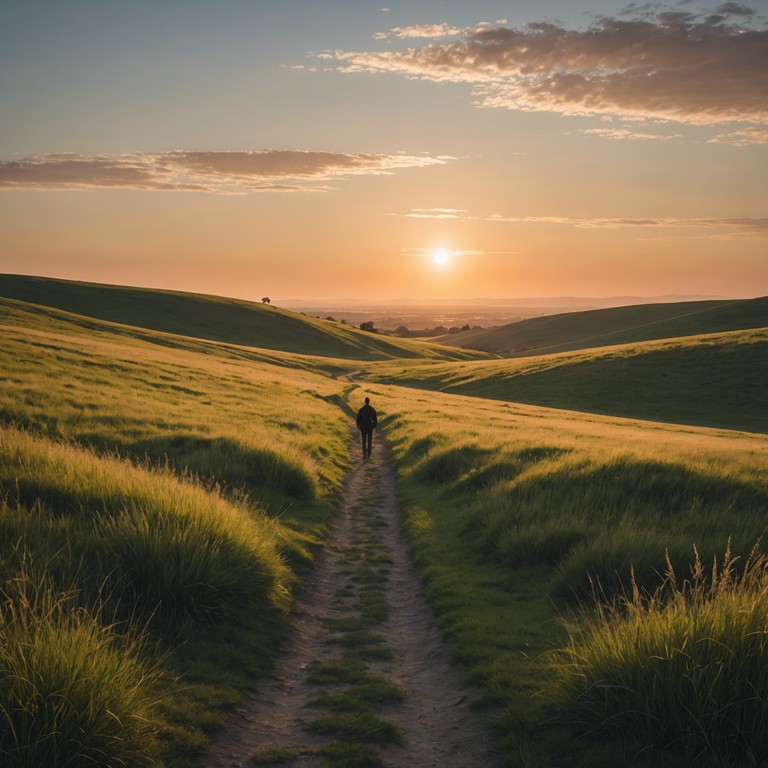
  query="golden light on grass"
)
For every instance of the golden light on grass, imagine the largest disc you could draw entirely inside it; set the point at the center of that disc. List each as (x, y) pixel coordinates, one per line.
(514, 512)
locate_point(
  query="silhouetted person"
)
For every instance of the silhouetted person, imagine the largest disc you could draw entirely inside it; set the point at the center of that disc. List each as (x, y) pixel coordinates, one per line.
(366, 423)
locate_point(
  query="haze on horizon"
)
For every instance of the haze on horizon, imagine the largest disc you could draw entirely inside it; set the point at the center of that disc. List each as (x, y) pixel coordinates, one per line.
(435, 151)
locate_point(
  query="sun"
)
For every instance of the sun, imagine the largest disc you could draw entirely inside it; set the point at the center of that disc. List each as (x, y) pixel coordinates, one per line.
(441, 257)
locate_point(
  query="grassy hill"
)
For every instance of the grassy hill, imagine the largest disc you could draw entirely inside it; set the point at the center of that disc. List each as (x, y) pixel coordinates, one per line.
(218, 319)
(56, 322)
(126, 451)
(619, 325)
(157, 496)
(522, 518)
(713, 380)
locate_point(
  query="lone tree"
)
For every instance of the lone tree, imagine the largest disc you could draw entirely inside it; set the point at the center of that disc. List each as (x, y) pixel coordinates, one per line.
(368, 326)
(265, 300)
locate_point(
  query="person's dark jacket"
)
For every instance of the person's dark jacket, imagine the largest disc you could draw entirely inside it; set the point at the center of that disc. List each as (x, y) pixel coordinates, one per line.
(367, 419)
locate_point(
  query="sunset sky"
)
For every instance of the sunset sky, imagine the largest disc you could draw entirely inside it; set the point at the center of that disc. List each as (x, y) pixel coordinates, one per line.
(425, 149)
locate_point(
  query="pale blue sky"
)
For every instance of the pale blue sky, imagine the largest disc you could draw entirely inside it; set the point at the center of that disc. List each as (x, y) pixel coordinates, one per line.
(107, 76)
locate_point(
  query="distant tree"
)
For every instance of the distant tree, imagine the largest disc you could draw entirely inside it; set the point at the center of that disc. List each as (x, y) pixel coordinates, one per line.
(343, 321)
(454, 329)
(402, 330)
(265, 300)
(465, 327)
(331, 318)
(367, 325)
(439, 330)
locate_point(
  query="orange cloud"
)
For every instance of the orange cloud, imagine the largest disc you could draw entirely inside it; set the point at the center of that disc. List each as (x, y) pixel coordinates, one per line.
(744, 227)
(742, 138)
(627, 134)
(421, 31)
(213, 172)
(435, 213)
(700, 70)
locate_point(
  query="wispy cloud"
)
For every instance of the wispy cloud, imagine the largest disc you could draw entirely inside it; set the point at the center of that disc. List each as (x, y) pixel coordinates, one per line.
(213, 172)
(727, 228)
(625, 134)
(699, 69)
(422, 31)
(742, 138)
(450, 251)
(435, 213)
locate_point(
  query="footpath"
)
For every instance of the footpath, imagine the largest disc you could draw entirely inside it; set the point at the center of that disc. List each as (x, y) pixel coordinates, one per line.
(366, 679)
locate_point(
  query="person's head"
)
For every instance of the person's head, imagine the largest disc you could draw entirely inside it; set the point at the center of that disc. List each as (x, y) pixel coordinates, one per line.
(367, 400)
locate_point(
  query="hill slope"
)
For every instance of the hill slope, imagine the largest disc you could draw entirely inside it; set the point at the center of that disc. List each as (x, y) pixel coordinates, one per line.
(715, 380)
(618, 325)
(215, 318)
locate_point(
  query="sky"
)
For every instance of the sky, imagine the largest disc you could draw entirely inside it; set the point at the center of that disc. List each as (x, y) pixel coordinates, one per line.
(429, 149)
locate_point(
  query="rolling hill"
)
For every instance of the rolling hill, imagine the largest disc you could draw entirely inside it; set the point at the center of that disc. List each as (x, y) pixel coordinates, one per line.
(126, 451)
(709, 378)
(715, 380)
(618, 325)
(218, 319)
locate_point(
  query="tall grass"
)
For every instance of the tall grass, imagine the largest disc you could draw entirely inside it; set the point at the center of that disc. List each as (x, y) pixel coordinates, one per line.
(231, 462)
(517, 515)
(267, 430)
(594, 518)
(170, 546)
(685, 668)
(163, 481)
(73, 692)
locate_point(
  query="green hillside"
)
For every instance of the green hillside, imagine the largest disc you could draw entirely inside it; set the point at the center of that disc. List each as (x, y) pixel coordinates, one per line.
(715, 380)
(218, 319)
(50, 321)
(161, 498)
(158, 496)
(618, 325)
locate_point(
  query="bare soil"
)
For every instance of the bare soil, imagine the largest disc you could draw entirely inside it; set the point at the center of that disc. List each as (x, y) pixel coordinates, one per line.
(435, 718)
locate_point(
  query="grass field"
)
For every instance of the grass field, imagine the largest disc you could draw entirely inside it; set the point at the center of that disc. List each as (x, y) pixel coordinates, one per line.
(162, 496)
(617, 325)
(215, 318)
(709, 380)
(524, 519)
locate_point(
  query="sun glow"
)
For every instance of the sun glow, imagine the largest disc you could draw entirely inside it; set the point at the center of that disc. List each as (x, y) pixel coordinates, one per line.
(441, 257)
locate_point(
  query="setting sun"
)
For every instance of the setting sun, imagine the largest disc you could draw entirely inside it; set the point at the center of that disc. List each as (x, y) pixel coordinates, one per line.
(441, 257)
(479, 183)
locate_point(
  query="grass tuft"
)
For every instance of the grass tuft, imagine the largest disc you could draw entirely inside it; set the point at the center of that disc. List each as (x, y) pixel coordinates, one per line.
(72, 691)
(685, 668)
(360, 727)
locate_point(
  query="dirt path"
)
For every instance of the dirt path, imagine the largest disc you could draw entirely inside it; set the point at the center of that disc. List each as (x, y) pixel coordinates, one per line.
(366, 674)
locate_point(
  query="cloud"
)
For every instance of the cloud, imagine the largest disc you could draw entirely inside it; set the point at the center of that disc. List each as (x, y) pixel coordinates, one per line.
(728, 228)
(214, 172)
(627, 134)
(421, 31)
(743, 138)
(435, 213)
(694, 69)
(450, 251)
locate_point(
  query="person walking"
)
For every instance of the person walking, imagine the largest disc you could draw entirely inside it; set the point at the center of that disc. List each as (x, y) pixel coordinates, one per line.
(366, 423)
